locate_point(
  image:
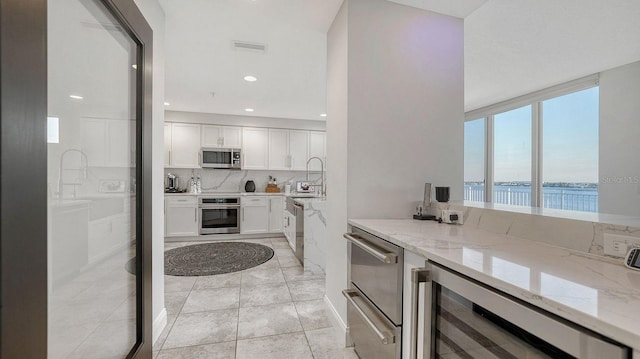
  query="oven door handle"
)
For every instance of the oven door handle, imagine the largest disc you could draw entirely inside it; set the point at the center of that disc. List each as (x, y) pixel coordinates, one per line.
(384, 336)
(385, 257)
(218, 207)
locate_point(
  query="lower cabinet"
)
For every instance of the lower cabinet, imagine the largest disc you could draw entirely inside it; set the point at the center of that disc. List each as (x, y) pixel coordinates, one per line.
(254, 215)
(181, 216)
(276, 211)
(261, 214)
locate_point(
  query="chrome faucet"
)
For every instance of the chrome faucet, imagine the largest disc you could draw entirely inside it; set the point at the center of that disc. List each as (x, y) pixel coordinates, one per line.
(82, 169)
(323, 189)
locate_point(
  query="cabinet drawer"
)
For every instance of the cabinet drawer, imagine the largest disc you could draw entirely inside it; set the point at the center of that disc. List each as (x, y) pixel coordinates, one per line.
(181, 200)
(254, 201)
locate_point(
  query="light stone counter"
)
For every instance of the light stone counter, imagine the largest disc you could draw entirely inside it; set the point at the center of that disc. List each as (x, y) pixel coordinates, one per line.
(599, 295)
(315, 242)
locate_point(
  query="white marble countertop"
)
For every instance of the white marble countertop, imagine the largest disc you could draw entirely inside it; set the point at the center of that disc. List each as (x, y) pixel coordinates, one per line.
(226, 194)
(305, 202)
(599, 295)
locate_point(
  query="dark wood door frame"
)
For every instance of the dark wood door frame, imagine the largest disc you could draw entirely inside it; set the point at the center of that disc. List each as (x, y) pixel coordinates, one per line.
(23, 175)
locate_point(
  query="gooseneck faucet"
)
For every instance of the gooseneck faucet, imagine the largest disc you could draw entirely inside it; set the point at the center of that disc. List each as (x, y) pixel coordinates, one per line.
(82, 168)
(323, 189)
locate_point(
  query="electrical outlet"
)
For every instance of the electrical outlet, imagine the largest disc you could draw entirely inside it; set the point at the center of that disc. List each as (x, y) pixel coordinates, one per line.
(452, 216)
(618, 246)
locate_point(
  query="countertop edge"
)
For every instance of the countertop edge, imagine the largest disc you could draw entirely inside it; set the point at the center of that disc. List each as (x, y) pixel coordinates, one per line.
(623, 335)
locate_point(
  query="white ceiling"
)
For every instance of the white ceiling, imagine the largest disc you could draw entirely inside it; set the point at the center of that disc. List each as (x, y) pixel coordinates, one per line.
(511, 48)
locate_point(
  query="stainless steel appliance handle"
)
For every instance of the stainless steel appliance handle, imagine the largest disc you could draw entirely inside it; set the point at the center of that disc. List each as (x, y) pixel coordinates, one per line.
(385, 337)
(203, 206)
(418, 275)
(386, 257)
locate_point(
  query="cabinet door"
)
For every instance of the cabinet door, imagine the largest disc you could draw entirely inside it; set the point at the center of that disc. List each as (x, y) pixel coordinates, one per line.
(317, 148)
(211, 136)
(185, 145)
(231, 137)
(118, 146)
(255, 215)
(276, 212)
(181, 221)
(255, 148)
(94, 141)
(299, 149)
(167, 144)
(279, 149)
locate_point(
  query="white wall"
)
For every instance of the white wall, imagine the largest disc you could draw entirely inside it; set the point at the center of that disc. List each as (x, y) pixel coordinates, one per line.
(249, 121)
(154, 14)
(399, 125)
(619, 187)
(337, 161)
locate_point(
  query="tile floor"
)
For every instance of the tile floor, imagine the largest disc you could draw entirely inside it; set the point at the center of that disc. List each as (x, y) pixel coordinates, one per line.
(273, 311)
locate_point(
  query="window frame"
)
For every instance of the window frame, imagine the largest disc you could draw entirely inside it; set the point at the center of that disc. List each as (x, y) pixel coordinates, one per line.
(535, 100)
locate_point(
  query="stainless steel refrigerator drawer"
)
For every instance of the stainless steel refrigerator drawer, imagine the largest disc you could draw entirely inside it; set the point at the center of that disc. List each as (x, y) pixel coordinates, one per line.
(376, 270)
(373, 335)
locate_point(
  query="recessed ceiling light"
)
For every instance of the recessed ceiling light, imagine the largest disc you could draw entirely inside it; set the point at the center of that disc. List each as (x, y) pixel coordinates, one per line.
(323, 115)
(248, 109)
(250, 78)
(134, 66)
(76, 97)
(167, 104)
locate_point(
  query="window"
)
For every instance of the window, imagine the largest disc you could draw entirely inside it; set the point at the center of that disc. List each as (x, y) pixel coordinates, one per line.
(512, 157)
(570, 151)
(537, 150)
(474, 155)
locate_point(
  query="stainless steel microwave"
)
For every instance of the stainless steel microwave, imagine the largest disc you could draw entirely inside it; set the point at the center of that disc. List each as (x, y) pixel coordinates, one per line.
(227, 158)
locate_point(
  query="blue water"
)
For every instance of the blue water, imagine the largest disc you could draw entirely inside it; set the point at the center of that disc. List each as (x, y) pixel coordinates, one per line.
(568, 198)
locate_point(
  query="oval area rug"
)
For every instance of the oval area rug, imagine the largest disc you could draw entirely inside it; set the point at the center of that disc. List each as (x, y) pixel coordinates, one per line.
(212, 258)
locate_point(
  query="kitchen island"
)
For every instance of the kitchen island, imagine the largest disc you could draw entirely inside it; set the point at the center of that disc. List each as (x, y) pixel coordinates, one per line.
(598, 294)
(315, 242)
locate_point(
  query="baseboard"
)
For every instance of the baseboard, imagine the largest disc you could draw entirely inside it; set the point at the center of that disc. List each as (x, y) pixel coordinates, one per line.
(337, 321)
(223, 237)
(159, 323)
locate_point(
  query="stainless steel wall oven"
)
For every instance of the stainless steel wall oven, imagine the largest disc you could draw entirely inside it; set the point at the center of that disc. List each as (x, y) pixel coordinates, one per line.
(219, 215)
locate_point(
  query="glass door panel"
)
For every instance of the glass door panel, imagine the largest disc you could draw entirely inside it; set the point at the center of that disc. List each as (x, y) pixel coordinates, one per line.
(92, 181)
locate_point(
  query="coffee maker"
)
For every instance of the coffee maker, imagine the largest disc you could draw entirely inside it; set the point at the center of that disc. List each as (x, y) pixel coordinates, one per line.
(172, 183)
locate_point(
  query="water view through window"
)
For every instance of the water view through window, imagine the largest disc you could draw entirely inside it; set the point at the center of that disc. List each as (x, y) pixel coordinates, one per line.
(569, 154)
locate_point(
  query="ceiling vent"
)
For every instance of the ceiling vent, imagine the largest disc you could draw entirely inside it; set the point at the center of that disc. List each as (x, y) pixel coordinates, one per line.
(248, 46)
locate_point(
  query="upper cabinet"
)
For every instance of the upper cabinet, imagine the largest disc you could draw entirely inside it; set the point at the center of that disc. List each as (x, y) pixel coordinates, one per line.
(279, 149)
(167, 144)
(108, 143)
(221, 136)
(185, 146)
(317, 148)
(298, 150)
(262, 148)
(288, 149)
(255, 148)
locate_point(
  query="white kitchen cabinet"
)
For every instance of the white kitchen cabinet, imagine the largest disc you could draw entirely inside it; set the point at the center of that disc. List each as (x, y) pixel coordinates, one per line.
(167, 144)
(317, 148)
(181, 216)
(255, 148)
(298, 150)
(254, 217)
(279, 149)
(185, 145)
(221, 136)
(288, 149)
(108, 143)
(276, 212)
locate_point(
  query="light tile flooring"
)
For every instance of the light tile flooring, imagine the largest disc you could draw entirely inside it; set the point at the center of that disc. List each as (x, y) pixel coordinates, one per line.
(273, 311)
